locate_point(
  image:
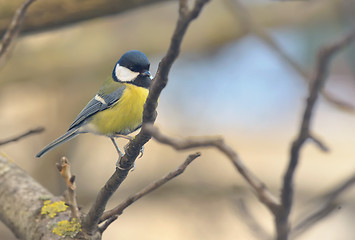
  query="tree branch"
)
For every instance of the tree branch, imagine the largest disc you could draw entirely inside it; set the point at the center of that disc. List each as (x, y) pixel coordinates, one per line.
(64, 169)
(318, 81)
(21, 200)
(28, 133)
(58, 13)
(328, 206)
(13, 29)
(251, 26)
(115, 212)
(149, 115)
(251, 221)
(318, 143)
(263, 193)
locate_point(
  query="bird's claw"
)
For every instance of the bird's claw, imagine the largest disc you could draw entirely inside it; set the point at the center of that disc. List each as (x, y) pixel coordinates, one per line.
(141, 152)
(130, 168)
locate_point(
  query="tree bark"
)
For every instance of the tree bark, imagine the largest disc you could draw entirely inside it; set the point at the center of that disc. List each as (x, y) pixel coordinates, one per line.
(21, 200)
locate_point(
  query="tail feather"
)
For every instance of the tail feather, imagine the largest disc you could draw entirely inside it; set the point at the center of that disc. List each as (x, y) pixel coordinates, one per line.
(67, 136)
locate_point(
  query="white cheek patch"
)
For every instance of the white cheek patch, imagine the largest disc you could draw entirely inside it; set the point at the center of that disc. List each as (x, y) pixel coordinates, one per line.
(124, 74)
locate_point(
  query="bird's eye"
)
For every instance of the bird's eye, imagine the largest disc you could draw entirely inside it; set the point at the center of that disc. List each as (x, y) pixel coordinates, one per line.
(131, 68)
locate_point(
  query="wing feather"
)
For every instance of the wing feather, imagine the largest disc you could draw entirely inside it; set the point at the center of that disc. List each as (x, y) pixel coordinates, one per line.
(95, 106)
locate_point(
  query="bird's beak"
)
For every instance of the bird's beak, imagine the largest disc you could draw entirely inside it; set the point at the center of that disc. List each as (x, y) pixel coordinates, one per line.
(146, 73)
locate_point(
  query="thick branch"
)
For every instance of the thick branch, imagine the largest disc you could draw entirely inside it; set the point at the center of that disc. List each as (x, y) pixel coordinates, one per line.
(150, 188)
(263, 193)
(132, 151)
(318, 81)
(21, 199)
(57, 13)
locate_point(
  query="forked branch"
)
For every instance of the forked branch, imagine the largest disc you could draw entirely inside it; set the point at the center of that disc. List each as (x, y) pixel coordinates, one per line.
(90, 223)
(318, 80)
(115, 212)
(263, 193)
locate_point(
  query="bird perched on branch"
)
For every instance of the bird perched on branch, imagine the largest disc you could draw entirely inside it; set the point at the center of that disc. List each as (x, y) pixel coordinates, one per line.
(117, 109)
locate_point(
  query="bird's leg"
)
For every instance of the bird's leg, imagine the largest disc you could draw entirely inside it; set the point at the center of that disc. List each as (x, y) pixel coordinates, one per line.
(130, 139)
(120, 154)
(123, 136)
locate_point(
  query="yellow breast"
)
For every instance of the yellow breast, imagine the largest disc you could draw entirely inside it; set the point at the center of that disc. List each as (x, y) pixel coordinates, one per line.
(123, 117)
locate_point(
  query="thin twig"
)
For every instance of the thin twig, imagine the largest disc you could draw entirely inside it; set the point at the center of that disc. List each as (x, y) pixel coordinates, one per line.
(337, 191)
(150, 188)
(251, 26)
(317, 81)
(23, 135)
(329, 204)
(263, 193)
(107, 223)
(64, 169)
(312, 219)
(91, 220)
(318, 143)
(321, 71)
(13, 29)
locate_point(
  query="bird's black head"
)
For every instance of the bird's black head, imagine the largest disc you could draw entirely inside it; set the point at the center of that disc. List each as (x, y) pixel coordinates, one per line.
(133, 67)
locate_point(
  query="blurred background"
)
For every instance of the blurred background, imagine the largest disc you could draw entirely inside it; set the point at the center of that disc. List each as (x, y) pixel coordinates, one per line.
(227, 81)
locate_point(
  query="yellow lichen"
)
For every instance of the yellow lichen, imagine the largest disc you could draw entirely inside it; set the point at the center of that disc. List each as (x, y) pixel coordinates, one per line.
(67, 228)
(51, 209)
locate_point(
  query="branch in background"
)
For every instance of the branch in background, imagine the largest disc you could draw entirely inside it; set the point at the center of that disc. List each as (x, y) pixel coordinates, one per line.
(28, 133)
(13, 30)
(341, 104)
(311, 220)
(92, 219)
(318, 143)
(251, 26)
(317, 83)
(115, 212)
(330, 204)
(251, 221)
(64, 169)
(247, 21)
(263, 193)
(47, 15)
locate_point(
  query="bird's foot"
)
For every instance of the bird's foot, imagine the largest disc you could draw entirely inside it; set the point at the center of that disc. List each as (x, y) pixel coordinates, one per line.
(123, 136)
(141, 151)
(129, 168)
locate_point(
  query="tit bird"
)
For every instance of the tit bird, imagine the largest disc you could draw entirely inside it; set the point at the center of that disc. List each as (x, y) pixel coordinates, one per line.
(117, 109)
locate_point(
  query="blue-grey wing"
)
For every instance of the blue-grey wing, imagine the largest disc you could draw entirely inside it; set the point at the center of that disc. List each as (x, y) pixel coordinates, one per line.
(97, 104)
